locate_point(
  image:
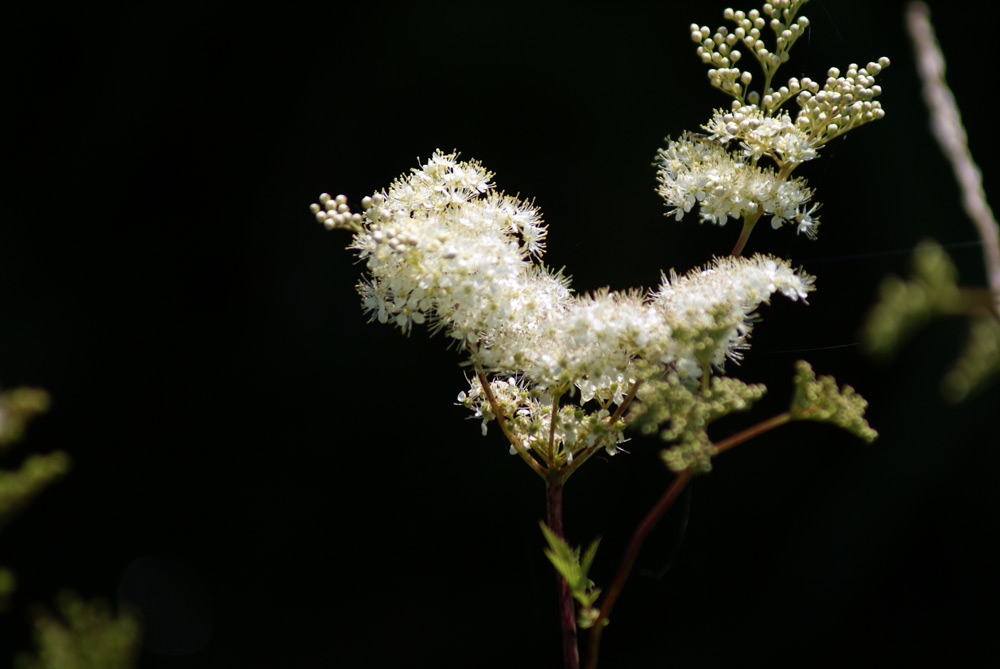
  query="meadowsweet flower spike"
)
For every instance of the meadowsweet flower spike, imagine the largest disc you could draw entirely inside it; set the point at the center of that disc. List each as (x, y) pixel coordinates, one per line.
(562, 375)
(720, 172)
(723, 185)
(711, 310)
(442, 248)
(692, 321)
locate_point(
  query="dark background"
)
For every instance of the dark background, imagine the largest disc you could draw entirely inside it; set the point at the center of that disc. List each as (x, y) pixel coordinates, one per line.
(291, 487)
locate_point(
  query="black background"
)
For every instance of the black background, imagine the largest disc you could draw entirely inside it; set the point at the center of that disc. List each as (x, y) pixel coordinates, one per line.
(295, 488)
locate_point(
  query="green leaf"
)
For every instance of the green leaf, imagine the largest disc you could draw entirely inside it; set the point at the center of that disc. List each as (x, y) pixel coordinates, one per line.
(589, 554)
(563, 558)
(573, 569)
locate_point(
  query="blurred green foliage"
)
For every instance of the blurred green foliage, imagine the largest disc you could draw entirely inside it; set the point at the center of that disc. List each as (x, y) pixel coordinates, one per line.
(82, 635)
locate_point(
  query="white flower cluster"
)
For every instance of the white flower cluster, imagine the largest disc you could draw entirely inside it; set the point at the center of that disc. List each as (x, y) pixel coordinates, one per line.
(529, 418)
(695, 170)
(588, 341)
(442, 247)
(712, 314)
(761, 135)
(725, 185)
(440, 244)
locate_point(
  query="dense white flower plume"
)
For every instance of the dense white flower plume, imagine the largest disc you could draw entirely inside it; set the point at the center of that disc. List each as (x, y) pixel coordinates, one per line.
(697, 171)
(711, 310)
(562, 373)
(727, 181)
(442, 247)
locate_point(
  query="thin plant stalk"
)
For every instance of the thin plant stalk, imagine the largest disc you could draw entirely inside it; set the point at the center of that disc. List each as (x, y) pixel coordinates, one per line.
(649, 522)
(946, 123)
(502, 422)
(638, 537)
(567, 614)
(748, 223)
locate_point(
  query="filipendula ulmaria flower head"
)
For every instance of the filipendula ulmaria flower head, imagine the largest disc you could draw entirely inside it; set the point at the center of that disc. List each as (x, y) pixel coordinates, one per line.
(442, 247)
(711, 310)
(720, 171)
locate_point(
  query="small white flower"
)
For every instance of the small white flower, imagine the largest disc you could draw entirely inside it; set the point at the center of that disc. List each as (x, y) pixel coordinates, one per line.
(711, 309)
(724, 184)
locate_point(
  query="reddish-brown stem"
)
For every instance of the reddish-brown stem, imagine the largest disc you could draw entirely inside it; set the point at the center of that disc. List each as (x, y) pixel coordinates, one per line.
(484, 383)
(620, 409)
(567, 616)
(649, 522)
(638, 537)
(752, 431)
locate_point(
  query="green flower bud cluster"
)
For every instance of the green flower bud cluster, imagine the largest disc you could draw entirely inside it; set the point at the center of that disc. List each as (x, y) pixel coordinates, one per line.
(906, 305)
(689, 413)
(819, 399)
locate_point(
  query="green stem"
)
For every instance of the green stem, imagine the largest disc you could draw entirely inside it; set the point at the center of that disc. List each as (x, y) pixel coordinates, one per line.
(748, 223)
(567, 614)
(706, 377)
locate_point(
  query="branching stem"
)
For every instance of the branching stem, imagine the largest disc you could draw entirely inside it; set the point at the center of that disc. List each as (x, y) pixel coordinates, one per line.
(649, 522)
(629, 396)
(612, 419)
(502, 422)
(638, 537)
